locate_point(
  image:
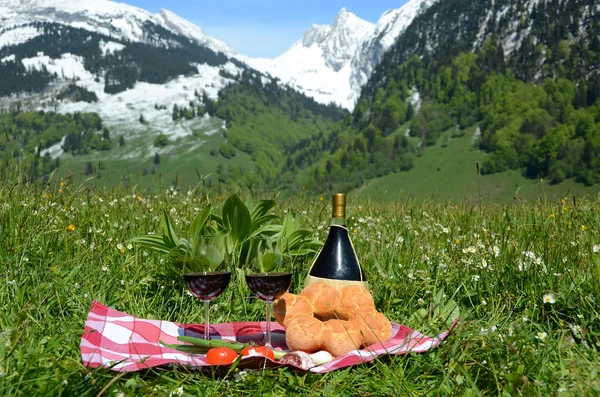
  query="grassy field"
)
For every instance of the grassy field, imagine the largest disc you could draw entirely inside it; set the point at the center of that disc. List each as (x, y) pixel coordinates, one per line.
(447, 171)
(184, 158)
(526, 278)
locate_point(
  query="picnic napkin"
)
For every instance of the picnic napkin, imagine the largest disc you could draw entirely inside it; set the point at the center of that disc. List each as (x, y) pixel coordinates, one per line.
(123, 342)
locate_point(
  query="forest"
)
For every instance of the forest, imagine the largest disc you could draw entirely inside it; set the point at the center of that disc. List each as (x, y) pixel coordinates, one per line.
(538, 109)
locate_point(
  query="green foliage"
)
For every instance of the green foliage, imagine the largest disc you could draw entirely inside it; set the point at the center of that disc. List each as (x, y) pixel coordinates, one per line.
(496, 263)
(26, 134)
(161, 140)
(243, 236)
(532, 105)
(75, 93)
(227, 150)
(265, 120)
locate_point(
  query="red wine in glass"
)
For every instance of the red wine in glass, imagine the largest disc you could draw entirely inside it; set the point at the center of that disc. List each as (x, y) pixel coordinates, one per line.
(207, 286)
(268, 287)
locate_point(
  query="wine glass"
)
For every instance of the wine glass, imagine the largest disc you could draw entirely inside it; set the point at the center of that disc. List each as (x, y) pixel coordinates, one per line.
(268, 287)
(207, 286)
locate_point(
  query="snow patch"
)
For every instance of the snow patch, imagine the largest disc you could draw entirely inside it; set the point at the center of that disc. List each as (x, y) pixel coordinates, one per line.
(125, 107)
(110, 47)
(55, 150)
(476, 135)
(18, 35)
(415, 100)
(10, 58)
(68, 66)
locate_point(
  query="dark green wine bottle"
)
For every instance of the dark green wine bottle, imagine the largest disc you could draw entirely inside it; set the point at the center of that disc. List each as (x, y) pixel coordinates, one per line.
(337, 263)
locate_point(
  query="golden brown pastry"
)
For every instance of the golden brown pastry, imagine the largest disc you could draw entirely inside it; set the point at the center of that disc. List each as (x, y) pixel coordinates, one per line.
(324, 299)
(340, 337)
(290, 305)
(353, 297)
(372, 325)
(304, 332)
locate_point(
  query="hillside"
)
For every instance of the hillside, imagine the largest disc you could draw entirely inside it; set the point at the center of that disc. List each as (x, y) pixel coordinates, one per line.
(525, 73)
(163, 97)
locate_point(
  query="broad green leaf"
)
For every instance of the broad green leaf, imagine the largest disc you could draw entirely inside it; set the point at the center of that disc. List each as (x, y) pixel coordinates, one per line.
(270, 261)
(197, 226)
(236, 219)
(262, 208)
(168, 229)
(154, 242)
(199, 222)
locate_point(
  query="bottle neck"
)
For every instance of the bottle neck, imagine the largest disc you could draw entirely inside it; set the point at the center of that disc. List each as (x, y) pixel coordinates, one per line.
(336, 221)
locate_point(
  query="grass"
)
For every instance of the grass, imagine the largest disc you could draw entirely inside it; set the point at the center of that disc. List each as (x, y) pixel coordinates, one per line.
(498, 262)
(180, 159)
(446, 172)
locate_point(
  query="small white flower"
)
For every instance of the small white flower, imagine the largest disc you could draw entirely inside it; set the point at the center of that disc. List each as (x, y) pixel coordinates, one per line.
(421, 302)
(129, 246)
(484, 302)
(549, 298)
(472, 249)
(445, 230)
(475, 277)
(122, 282)
(119, 246)
(104, 268)
(541, 335)
(596, 248)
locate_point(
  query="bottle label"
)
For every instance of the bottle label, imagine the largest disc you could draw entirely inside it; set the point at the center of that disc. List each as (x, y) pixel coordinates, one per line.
(337, 284)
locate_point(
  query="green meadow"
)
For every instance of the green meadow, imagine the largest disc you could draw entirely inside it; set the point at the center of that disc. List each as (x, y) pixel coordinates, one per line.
(525, 276)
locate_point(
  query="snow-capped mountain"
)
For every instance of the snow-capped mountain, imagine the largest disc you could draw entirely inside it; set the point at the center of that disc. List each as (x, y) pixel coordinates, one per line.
(389, 27)
(332, 63)
(118, 20)
(319, 63)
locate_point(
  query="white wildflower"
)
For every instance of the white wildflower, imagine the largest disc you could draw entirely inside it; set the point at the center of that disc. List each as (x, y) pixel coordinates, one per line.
(549, 298)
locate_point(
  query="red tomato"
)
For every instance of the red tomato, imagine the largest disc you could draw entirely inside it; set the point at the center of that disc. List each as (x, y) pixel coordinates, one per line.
(262, 351)
(221, 356)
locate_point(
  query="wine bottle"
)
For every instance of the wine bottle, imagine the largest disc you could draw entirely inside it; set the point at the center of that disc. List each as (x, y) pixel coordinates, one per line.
(336, 263)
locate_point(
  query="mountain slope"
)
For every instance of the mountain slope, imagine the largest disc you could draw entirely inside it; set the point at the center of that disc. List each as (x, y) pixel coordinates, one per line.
(526, 73)
(319, 63)
(154, 80)
(332, 63)
(117, 20)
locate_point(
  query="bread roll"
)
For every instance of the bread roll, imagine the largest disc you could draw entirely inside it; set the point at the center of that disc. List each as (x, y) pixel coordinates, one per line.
(324, 299)
(340, 337)
(305, 333)
(290, 305)
(353, 297)
(372, 325)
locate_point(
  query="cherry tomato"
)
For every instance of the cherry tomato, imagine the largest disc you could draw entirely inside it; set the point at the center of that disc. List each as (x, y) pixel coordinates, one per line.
(220, 356)
(262, 351)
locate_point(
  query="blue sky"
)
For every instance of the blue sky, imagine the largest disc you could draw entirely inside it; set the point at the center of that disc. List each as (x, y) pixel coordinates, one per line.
(264, 28)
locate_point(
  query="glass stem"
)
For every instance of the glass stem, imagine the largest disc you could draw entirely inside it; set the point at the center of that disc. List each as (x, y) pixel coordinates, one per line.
(268, 325)
(206, 323)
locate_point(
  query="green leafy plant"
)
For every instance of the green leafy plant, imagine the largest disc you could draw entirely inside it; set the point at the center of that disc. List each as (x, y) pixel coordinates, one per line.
(244, 235)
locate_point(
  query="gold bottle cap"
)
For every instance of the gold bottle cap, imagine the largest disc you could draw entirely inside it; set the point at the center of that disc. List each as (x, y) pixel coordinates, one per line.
(339, 205)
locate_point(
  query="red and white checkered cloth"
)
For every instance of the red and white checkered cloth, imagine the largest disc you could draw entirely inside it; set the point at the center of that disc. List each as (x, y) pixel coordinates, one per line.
(122, 342)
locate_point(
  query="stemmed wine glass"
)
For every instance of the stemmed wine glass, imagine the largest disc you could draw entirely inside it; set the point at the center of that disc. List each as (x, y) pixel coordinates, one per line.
(207, 286)
(268, 287)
